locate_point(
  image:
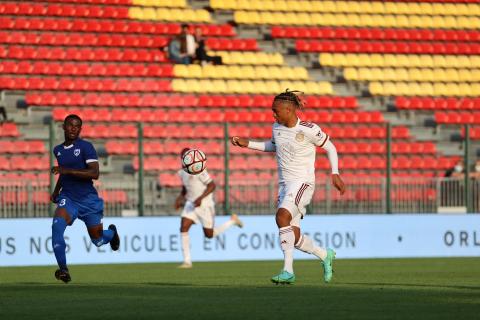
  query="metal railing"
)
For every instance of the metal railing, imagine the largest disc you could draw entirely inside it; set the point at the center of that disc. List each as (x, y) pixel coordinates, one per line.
(366, 195)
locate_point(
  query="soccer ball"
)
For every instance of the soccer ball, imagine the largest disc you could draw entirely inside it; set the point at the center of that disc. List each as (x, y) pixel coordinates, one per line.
(194, 161)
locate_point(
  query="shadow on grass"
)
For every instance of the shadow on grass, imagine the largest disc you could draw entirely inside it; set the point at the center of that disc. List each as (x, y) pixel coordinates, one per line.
(412, 285)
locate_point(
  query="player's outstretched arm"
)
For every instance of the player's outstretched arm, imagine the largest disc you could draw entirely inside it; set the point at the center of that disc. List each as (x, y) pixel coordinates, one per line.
(266, 146)
(333, 158)
(338, 183)
(91, 172)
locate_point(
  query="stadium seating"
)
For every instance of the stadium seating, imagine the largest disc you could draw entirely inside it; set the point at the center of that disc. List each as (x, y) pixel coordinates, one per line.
(427, 103)
(398, 60)
(375, 34)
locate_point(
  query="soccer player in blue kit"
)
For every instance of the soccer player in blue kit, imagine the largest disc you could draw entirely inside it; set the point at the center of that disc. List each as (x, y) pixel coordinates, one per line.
(75, 195)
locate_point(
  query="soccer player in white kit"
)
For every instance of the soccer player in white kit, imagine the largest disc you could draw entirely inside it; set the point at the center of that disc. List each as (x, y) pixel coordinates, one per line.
(198, 207)
(294, 141)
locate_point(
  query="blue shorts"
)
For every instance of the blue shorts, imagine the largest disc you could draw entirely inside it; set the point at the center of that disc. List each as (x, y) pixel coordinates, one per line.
(90, 210)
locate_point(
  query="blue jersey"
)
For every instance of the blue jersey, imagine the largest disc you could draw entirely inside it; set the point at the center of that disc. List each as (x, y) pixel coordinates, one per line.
(76, 156)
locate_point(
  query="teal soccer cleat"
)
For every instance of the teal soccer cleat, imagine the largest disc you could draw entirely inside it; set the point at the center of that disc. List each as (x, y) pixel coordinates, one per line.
(328, 265)
(284, 277)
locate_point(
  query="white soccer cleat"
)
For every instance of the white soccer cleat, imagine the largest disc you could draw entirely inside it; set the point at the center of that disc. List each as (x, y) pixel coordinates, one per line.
(237, 220)
(185, 265)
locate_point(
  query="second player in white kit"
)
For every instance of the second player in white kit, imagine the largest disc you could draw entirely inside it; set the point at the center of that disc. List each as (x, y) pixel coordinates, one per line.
(198, 207)
(294, 142)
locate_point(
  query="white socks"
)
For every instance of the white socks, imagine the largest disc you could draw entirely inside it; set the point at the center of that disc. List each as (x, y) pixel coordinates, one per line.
(221, 229)
(306, 244)
(186, 248)
(287, 241)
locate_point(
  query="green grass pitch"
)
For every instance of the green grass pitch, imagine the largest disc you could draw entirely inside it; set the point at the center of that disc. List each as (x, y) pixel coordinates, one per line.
(361, 289)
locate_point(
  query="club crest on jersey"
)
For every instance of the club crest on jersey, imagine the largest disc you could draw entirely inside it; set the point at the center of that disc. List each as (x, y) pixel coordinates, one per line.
(58, 154)
(299, 136)
(76, 152)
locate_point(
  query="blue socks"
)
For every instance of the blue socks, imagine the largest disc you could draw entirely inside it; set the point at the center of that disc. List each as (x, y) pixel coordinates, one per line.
(106, 237)
(58, 242)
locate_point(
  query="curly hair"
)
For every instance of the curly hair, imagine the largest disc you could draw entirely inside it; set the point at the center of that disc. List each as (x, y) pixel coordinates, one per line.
(292, 97)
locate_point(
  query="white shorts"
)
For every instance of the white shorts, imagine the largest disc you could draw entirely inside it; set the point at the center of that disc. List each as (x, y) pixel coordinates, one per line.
(205, 214)
(295, 197)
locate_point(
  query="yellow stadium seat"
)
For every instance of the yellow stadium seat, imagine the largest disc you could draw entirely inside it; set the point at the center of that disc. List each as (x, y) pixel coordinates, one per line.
(426, 89)
(149, 14)
(451, 75)
(234, 86)
(464, 61)
(375, 74)
(474, 61)
(400, 74)
(163, 14)
(410, 88)
(391, 60)
(474, 76)
(377, 7)
(425, 60)
(452, 89)
(414, 8)
(261, 87)
(326, 59)
(464, 75)
(350, 74)
(391, 8)
(464, 89)
(475, 88)
(179, 85)
(426, 8)
(135, 13)
(389, 88)
(376, 60)
(375, 88)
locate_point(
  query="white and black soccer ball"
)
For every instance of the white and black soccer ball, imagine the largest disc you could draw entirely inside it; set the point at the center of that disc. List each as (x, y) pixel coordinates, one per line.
(194, 161)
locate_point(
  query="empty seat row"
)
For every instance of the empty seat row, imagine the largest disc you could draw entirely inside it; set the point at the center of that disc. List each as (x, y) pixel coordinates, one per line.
(427, 103)
(240, 72)
(249, 58)
(232, 44)
(379, 7)
(82, 39)
(82, 54)
(424, 89)
(64, 10)
(84, 84)
(375, 34)
(457, 118)
(13, 179)
(398, 60)
(142, 115)
(108, 26)
(172, 163)
(115, 40)
(103, 2)
(167, 14)
(409, 47)
(164, 163)
(8, 129)
(33, 146)
(176, 100)
(250, 86)
(357, 20)
(214, 147)
(23, 163)
(159, 147)
(21, 197)
(412, 74)
(217, 132)
(86, 69)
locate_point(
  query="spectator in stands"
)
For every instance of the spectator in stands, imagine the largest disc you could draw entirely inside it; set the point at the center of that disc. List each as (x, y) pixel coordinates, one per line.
(476, 170)
(3, 112)
(201, 52)
(457, 171)
(175, 54)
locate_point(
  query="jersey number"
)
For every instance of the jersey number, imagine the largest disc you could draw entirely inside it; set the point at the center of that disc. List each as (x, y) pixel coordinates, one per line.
(62, 202)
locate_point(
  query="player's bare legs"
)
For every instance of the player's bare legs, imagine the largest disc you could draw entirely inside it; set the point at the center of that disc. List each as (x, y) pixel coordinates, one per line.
(185, 225)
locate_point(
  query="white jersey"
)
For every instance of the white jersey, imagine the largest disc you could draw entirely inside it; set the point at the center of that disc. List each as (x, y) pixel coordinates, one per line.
(196, 185)
(295, 150)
